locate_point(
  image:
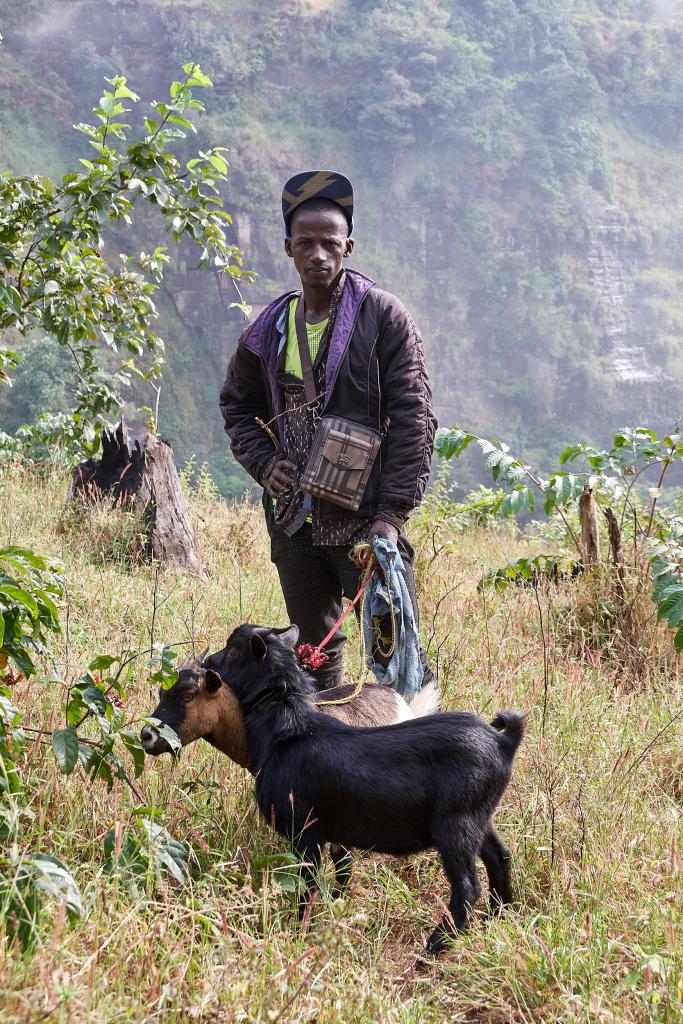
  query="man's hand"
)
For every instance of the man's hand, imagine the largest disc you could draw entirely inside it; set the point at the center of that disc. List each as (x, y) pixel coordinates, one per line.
(281, 476)
(381, 529)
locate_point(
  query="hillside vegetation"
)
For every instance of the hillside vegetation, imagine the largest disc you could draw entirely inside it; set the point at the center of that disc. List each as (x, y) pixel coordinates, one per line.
(593, 815)
(517, 174)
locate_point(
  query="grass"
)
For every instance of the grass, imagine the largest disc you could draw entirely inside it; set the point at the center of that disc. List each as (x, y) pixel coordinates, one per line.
(593, 815)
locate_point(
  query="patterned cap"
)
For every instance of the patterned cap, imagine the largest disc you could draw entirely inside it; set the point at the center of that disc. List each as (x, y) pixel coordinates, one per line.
(318, 185)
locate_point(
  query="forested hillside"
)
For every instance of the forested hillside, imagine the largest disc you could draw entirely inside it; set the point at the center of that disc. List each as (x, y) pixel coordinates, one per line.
(517, 168)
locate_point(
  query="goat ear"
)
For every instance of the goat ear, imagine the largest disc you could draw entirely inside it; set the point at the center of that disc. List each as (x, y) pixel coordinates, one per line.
(289, 636)
(259, 647)
(212, 681)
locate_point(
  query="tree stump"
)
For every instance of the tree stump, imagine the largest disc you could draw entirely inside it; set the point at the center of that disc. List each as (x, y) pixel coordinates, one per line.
(143, 476)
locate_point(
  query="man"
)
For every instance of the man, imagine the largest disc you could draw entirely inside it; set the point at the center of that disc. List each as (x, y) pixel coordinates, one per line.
(368, 366)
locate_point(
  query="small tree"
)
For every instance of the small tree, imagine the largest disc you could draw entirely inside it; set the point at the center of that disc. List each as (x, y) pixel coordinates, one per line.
(57, 276)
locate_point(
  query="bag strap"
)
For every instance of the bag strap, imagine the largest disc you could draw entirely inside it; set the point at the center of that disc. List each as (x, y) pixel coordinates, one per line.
(305, 351)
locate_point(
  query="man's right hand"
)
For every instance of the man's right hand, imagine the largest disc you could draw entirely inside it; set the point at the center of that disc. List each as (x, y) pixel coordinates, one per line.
(282, 475)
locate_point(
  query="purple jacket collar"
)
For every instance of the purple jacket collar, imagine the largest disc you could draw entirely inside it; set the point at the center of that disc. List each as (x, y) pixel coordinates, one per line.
(263, 338)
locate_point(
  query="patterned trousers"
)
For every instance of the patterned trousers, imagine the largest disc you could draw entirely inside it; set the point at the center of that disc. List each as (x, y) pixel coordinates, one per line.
(314, 578)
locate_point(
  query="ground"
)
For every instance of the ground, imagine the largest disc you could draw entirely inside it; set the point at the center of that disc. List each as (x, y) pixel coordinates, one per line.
(592, 816)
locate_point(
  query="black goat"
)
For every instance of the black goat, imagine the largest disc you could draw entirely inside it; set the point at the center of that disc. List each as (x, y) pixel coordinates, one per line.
(429, 783)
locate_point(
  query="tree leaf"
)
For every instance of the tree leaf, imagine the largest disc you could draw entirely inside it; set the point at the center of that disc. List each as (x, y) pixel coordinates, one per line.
(103, 661)
(671, 608)
(55, 878)
(65, 747)
(94, 699)
(131, 742)
(451, 442)
(19, 595)
(678, 640)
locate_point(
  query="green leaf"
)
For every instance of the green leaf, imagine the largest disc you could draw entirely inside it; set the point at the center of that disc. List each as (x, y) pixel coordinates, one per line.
(23, 661)
(451, 442)
(102, 768)
(131, 742)
(678, 640)
(94, 699)
(219, 163)
(55, 878)
(182, 121)
(169, 734)
(571, 452)
(103, 661)
(20, 596)
(20, 556)
(122, 92)
(671, 608)
(529, 570)
(173, 863)
(197, 76)
(65, 747)
(517, 500)
(87, 755)
(109, 104)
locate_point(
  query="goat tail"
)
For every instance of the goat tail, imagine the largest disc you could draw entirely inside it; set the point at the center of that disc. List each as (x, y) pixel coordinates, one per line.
(427, 701)
(511, 725)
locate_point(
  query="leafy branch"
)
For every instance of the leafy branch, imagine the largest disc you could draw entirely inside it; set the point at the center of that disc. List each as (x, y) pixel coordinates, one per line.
(57, 276)
(510, 472)
(613, 476)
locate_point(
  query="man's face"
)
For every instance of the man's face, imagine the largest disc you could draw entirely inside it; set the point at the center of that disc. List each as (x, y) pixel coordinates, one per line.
(318, 243)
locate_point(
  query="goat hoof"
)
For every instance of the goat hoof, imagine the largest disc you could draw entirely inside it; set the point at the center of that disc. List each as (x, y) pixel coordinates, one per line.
(439, 941)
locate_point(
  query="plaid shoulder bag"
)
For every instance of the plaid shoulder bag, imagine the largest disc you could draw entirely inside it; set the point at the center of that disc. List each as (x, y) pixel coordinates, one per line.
(340, 462)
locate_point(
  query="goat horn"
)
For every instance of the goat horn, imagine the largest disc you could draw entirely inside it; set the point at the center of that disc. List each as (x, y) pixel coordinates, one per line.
(203, 655)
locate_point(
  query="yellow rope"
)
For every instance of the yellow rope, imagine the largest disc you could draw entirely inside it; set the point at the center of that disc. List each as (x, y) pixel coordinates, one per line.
(363, 556)
(389, 641)
(342, 700)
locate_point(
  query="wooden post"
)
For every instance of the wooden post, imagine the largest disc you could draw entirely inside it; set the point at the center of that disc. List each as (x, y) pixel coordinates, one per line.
(615, 545)
(590, 530)
(614, 537)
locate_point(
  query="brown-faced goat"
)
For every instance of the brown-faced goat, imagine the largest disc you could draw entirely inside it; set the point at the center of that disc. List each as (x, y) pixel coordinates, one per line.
(428, 783)
(198, 706)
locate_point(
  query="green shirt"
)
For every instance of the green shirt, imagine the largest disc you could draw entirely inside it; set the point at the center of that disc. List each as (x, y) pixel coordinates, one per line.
(314, 333)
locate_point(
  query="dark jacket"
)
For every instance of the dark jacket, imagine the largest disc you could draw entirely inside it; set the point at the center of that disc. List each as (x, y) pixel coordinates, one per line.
(375, 375)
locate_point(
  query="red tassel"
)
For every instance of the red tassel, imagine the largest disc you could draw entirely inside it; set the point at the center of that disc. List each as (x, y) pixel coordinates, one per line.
(311, 657)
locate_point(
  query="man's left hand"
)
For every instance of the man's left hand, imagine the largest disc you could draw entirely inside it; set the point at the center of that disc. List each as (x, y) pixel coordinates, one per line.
(381, 529)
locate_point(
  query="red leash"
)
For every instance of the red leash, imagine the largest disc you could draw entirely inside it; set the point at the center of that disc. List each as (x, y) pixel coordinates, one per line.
(311, 657)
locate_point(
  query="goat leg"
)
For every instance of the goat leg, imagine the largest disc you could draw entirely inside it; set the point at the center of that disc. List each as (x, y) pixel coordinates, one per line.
(309, 854)
(342, 860)
(461, 871)
(496, 858)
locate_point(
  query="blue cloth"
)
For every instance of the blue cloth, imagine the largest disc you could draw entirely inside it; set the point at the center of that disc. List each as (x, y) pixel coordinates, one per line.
(388, 588)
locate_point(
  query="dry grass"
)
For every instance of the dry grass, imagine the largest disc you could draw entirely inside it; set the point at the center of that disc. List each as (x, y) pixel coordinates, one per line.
(593, 815)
